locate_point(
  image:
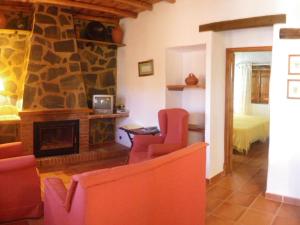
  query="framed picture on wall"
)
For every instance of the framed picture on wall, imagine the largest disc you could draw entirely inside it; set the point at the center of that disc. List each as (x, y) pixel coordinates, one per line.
(146, 68)
(294, 64)
(293, 89)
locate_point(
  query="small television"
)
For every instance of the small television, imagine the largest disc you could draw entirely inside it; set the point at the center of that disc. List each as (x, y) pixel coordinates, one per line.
(103, 103)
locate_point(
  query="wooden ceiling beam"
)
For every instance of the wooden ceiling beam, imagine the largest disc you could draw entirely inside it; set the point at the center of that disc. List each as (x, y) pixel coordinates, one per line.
(260, 21)
(96, 18)
(289, 33)
(136, 3)
(87, 6)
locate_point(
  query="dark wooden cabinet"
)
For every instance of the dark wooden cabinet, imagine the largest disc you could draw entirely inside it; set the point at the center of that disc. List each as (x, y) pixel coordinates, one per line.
(260, 84)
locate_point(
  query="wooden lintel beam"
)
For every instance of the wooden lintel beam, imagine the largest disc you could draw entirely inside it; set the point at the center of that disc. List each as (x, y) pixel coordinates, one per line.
(96, 18)
(87, 6)
(16, 8)
(289, 33)
(137, 3)
(260, 21)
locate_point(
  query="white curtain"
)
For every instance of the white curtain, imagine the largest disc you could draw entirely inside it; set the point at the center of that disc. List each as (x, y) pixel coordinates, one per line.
(242, 88)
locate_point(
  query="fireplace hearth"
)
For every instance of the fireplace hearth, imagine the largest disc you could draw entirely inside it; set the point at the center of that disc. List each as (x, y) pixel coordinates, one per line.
(56, 138)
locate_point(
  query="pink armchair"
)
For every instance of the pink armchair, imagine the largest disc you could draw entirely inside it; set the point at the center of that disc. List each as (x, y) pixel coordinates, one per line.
(20, 194)
(168, 190)
(173, 125)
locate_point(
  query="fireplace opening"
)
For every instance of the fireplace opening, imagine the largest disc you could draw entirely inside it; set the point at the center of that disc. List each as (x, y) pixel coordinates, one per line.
(56, 138)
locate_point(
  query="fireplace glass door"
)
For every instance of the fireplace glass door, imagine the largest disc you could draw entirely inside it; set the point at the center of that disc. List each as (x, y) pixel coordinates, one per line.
(56, 138)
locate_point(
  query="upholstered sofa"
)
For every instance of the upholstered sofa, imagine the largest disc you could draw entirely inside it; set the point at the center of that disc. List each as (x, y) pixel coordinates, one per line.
(168, 190)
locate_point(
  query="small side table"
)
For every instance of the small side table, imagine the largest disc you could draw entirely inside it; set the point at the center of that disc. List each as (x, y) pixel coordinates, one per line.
(140, 131)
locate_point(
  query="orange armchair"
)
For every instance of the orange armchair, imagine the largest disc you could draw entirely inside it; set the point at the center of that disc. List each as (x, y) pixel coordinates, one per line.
(20, 193)
(173, 125)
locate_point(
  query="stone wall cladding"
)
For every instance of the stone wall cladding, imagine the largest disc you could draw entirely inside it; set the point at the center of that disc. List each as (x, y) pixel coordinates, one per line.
(102, 131)
(99, 69)
(13, 62)
(54, 78)
(98, 66)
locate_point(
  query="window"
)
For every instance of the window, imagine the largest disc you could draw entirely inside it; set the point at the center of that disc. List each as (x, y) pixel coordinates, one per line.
(260, 84)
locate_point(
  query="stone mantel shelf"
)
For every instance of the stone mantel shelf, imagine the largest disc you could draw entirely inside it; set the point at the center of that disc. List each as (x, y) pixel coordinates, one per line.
(100, 42)
(54, 111)
(10, 31)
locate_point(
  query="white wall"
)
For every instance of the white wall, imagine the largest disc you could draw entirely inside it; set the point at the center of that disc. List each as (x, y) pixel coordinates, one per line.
(284, 154)
(173, 25)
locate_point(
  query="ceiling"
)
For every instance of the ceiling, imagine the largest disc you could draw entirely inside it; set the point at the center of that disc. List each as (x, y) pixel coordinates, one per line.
(103, 10)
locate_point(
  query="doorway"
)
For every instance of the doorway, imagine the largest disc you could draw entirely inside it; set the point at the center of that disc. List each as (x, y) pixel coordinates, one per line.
(229, 100)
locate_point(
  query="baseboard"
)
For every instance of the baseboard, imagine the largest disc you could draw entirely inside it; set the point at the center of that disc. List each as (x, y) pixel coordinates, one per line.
(215, 178)
(283, 199)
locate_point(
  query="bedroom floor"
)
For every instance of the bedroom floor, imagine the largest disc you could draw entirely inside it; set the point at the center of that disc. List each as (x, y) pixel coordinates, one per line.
(239, 198)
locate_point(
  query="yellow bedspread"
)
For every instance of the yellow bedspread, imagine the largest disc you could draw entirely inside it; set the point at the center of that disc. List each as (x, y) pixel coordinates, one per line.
(248, 129)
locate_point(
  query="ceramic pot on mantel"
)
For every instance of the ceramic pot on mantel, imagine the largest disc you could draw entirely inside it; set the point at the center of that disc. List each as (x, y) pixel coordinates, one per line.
(191, 79)
(117, 34)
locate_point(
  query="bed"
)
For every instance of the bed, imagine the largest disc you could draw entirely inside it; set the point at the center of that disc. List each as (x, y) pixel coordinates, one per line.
(248, 129)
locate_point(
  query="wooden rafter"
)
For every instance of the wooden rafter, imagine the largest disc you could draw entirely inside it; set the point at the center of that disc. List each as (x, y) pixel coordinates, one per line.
(259, 21)
(88, 6)
(136, 3)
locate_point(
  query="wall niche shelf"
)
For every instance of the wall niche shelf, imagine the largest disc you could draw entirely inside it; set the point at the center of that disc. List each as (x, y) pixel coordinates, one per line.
(181, 87)
(100, 42)
(196, 128)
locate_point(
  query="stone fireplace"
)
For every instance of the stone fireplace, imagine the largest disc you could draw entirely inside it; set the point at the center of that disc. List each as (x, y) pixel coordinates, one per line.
(52, 75)
(31, 121)
(56, 138)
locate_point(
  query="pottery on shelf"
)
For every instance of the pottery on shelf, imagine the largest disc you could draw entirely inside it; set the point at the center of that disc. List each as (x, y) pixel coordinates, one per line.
(117, 34)
(191, 79)
(96, 31)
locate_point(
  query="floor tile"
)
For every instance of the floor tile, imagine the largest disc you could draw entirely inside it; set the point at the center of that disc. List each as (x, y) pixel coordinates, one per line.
(229, 211)
(213, 220)
(265, 205)
(242, 199)
(252, 188)
(212, 203)
(286, 221)
(252, 217)
(230, 183)
(289, 211)
(218, 192)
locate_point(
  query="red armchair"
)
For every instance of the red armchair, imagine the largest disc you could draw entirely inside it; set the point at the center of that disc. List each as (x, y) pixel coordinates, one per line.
(173, 125)
(20, 194)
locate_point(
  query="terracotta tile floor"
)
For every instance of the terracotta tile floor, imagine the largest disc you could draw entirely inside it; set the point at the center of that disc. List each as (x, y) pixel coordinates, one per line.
(234, 199)
(239, 198)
